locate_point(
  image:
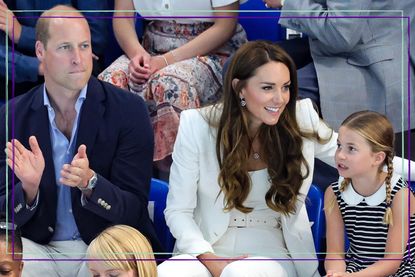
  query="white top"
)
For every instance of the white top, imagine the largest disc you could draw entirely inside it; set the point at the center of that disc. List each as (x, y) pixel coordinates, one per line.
(260, 185)
(255, 238)
(181, 8)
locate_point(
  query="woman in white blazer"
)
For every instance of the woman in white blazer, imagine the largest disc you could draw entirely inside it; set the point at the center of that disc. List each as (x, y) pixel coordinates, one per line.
(241, 171)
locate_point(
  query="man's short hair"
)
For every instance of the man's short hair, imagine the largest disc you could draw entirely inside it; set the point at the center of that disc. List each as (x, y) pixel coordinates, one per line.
(42, 24)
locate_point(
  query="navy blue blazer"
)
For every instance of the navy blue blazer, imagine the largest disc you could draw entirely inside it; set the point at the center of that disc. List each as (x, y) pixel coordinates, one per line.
(115, 127)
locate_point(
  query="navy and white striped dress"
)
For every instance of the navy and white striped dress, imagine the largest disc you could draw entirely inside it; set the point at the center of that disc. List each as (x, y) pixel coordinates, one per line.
(363, 220)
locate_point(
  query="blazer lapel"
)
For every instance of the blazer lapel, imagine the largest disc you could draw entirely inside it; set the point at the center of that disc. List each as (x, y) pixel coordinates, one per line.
(39, 127)
(91, 115)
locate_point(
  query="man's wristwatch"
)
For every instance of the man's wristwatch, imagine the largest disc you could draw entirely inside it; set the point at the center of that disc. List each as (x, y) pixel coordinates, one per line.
(91, 183)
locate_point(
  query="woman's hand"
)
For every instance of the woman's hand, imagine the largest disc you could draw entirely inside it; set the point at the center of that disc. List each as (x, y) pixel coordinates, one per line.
(157, 63)
(139, 68)
(124, 30)
(216, 264)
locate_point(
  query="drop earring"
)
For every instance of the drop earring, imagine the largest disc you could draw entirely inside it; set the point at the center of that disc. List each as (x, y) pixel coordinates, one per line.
(243, 102)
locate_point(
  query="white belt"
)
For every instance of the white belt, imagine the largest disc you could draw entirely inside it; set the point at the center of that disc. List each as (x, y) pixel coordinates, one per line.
(241, 220)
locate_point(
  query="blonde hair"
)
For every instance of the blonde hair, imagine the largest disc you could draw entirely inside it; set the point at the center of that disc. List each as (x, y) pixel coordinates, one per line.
(123, 247)
(377, 130)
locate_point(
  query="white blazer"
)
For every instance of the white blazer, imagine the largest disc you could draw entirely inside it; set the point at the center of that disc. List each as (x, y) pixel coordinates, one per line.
(194, 211)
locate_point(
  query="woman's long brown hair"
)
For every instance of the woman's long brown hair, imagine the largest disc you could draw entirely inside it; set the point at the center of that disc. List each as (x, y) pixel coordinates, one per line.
(281, 144)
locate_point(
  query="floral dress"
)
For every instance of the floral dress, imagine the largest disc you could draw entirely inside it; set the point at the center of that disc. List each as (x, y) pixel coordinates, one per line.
(187, 84)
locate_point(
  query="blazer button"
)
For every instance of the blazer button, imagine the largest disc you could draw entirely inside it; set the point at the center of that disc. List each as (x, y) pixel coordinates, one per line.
(50, 229)
(18, 208)
(108, 207)
(99, 201)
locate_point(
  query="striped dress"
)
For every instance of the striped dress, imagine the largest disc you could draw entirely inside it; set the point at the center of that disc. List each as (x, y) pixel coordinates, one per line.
(363, 220)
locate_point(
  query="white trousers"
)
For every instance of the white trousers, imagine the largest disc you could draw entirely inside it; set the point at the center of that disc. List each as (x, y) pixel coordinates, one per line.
(249, 267)
(56, 259)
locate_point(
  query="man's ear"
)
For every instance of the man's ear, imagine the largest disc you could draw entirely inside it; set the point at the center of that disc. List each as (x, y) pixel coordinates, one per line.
(40, 50)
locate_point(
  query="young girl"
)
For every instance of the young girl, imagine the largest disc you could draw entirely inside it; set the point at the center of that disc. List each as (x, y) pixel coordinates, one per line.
(370, 203)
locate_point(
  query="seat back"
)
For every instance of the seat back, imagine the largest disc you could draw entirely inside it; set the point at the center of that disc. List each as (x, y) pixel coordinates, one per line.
(156, 207)
(315, 205)
(260, 22)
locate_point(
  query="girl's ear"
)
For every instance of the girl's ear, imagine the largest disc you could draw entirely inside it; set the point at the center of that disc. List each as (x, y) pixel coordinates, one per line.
(379, 158)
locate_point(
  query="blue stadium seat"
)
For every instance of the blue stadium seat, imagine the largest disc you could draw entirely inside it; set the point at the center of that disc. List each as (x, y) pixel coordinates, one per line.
(260, 22)
(157, 205)
(314, 204)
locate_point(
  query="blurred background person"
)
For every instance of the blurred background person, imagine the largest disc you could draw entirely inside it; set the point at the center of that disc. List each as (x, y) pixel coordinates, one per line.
(360, 59)
(178, 64)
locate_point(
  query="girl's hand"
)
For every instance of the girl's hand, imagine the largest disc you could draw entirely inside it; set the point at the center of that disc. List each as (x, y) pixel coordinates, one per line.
(331, 273)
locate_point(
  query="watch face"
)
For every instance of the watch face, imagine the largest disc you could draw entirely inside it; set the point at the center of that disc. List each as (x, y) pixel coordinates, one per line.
(92, 182)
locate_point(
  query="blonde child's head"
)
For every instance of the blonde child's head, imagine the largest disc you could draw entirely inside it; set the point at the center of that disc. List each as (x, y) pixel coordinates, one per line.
(122, 248)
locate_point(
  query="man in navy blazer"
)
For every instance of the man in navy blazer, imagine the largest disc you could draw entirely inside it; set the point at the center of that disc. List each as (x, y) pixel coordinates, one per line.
(81, 152)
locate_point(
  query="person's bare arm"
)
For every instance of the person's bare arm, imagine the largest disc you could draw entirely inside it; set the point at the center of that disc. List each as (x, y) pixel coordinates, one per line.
(220, 32)
(125, 33)
(334, 261)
